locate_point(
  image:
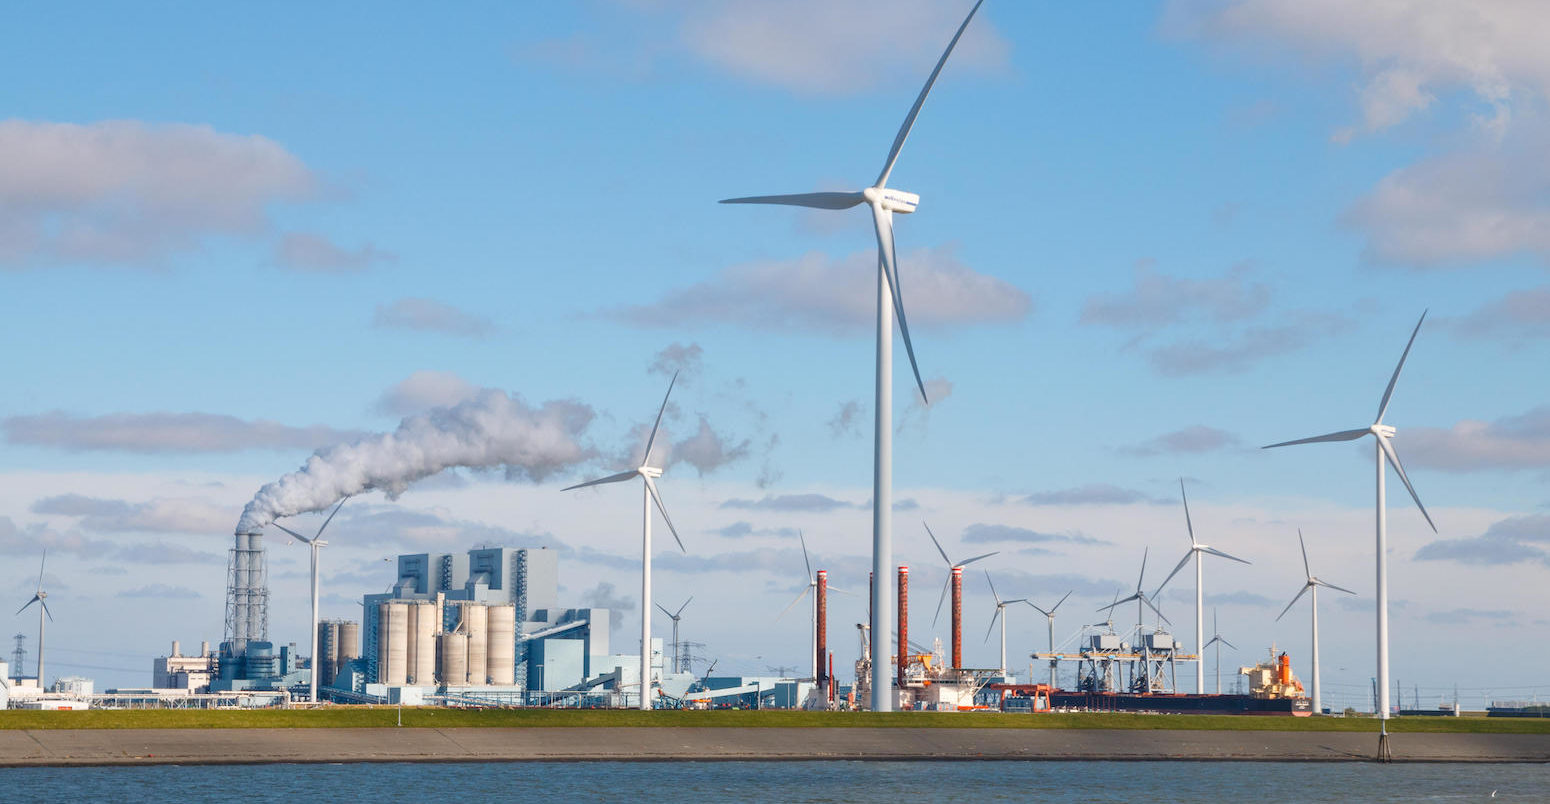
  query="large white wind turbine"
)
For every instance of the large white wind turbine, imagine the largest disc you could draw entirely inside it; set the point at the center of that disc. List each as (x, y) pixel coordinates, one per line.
(884, 202)
(951, 565)
(1383, 435)
(39, 597)
(315, 543)
(648, 474)
(1001, 615)
(1218, 640)
(1312, 584)
(1050, 616)
(675, 616)
(1196, 551)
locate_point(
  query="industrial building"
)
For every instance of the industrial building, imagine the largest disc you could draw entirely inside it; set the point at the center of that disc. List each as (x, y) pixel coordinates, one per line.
(188, 673)
(488, 624)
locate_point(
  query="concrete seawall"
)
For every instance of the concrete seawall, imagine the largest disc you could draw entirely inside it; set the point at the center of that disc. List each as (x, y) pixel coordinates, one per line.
(233, 746)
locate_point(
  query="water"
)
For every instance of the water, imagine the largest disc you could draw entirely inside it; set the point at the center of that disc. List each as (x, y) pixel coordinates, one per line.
(893, 782)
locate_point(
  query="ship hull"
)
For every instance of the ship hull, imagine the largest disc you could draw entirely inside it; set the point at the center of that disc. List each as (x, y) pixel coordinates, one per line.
(1181, 704)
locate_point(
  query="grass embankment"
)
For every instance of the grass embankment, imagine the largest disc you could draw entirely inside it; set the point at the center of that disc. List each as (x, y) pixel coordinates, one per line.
(387, 716)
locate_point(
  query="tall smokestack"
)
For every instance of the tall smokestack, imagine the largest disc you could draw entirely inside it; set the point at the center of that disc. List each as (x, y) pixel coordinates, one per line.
(957, 617)
(904, 622)
(821, 629)
(247, 593)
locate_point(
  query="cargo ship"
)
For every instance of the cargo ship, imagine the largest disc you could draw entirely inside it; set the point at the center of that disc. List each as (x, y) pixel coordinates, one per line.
(1273, 690)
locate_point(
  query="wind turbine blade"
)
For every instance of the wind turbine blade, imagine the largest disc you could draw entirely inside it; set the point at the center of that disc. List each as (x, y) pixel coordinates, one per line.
(1015, 600)
(1343, 435)
(619, 478)
(1388, 449)
(331, 516)
(1187, 522)
(1215, 552)
(297, 536)
(992, 588)
(44, 604)
(1036, 608)
(646, 459)
(1329, 585)
(1289, 606)
(1383, 406)
(684, 606)
(968, 561)
(938, 545)
(1183, 561)
(811, 200)
(809, 564)
(1062, 600)
(1144, 553)
(1304, 546)
(940, 598)
(887, 257)
(35, 599)
(1118, 602)
(840, 591)
(992, 623)
(1228, 644)
(1157, 611)
(1212, 641)
(909, 121)
(793, 604)
(665, 611)
(656, 497)
(41, 564)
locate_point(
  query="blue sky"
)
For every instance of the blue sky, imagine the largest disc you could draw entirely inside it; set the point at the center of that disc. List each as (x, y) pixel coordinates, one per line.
(1151, 237)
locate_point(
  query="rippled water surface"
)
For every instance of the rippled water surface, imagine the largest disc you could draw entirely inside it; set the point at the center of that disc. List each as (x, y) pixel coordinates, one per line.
(894, 782)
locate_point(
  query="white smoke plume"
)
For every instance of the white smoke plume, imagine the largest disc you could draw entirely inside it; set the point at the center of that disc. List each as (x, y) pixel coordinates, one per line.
(489, 430)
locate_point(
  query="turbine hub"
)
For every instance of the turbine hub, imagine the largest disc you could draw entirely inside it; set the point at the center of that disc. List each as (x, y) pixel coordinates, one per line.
(649, 471)
(1383, 431)
(891, 199)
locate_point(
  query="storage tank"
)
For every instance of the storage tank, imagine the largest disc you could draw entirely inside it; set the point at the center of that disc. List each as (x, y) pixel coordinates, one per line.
(422, 661)
(476, 620)
(393, 643)
(349, 645)
(502, 643)
(454, 659)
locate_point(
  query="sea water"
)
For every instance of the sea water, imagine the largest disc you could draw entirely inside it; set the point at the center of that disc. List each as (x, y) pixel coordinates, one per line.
(893, 782)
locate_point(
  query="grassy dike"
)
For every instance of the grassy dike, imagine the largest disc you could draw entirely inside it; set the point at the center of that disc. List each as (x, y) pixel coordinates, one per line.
(426, 717)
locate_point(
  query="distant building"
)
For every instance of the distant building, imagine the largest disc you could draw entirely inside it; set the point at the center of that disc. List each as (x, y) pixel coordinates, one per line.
(187, 673)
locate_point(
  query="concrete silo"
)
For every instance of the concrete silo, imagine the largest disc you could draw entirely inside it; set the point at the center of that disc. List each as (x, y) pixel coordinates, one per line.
(454, 659)
(476, 623)
(501, 638)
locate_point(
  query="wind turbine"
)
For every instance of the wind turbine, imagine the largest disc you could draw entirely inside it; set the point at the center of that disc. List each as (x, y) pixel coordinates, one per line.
(951, 565)
(1141, 598)
(1050, 616)
(1382, 434)
(810, 589)
(675, 616)
(1000, 608)
(39, 597)
(647, 473)
(316, 542)
(1312, 584)
(884, 202)
(1218, 640)
(1196, 551)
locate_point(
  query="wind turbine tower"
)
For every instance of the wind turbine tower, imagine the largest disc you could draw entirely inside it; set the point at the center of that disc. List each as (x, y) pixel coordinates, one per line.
(999, 615)
(884, 201)
(1312, 584)
(1383, 434)
(648, 474)
(314, 543)
(1197, 551)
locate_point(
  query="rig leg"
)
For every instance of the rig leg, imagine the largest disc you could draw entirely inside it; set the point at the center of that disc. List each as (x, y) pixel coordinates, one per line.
(1384, 754)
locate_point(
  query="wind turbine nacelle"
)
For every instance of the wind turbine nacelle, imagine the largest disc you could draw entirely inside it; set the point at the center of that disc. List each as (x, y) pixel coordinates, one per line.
(892, 200)
(1383, 430)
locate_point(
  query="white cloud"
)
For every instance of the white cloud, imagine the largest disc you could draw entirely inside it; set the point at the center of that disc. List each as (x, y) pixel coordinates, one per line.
(1196, 439)
(817, 293)
(304, 251)
(820, 46)
(127, 192)
(102, 515)
(1156, 300)
(1512, 442)
(164, 432)
(427, 315)
(424, 390)
(1519, 315)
